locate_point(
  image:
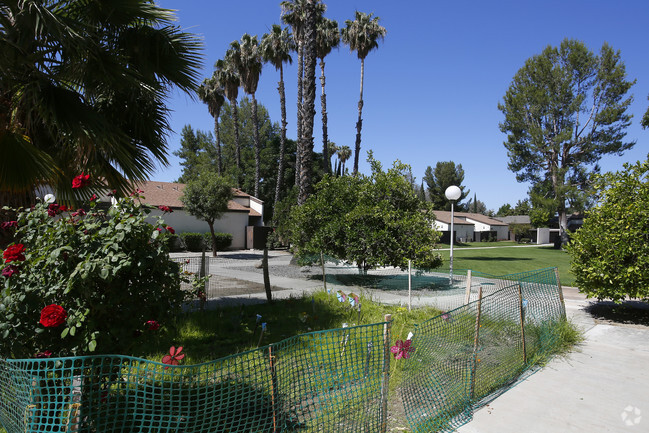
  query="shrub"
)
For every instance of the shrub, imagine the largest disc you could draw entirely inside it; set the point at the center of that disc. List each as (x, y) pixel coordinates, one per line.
(223, 241)
(610, 252)
(175, 243)
(193, 241)
(97, 281)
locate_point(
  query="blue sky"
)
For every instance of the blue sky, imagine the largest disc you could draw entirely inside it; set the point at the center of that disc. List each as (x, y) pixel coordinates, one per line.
(432, 88)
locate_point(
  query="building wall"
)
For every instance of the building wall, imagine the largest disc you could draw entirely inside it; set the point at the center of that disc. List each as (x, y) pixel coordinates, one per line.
(232, 222)
(463, 232)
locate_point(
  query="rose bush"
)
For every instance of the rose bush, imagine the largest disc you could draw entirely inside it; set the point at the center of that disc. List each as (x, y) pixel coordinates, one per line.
(96, 279)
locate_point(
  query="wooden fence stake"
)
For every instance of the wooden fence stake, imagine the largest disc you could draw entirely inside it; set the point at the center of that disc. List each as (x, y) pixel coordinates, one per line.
(409, 284)
(467, 298)
(274, 397)
(522, 316)
(475, 343)
(386, 372)
(563, 304)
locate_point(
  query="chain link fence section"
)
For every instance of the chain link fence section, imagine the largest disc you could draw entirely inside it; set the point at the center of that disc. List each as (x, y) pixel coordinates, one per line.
(467, 356)
(327, 381)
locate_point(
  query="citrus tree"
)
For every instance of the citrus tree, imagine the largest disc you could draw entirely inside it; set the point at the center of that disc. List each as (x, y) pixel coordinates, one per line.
(610, 253)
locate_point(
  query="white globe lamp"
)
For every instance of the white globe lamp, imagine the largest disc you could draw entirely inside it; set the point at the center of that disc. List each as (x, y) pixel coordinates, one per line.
(452, 193)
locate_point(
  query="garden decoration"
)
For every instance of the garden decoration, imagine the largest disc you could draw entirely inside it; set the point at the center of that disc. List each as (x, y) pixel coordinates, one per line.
(341, 296)
(261, 334)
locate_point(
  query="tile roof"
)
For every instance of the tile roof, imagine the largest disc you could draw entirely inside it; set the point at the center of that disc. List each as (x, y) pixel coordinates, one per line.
(480, 218)
(445, 217)
(168, 194)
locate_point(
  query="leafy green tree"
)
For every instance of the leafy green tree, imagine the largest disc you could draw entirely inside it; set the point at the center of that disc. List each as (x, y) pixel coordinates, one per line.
(564, 110)
(83, 89)
(370, 221)
(445, 174)
(195, 153)
(327, 38)
(276, 48)
(610, 252)
(523, 207)
(343, 153)
(362, 35)
(505, 210)
(206, 197)
(520, 231)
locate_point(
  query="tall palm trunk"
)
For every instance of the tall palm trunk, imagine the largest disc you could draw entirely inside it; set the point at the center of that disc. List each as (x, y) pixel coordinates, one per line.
(300, 74)
(323, 104)
(237, 151)
(359, 124)
(282, 142)
(308, 108)
(217, 133)
(257, 145)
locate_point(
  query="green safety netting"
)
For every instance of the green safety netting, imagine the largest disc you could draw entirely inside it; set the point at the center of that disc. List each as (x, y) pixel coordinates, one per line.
(327, 381)
(467, 355)
(322, 381)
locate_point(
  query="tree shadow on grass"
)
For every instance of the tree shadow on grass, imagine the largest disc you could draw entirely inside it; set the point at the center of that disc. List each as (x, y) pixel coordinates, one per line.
(628, 312)
(490, 259)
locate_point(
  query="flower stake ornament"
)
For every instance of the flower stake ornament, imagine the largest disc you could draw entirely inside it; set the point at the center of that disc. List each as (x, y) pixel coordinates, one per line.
(402, 349)
(263, 329)
(174, 356)
(341, 296)
(53, 316)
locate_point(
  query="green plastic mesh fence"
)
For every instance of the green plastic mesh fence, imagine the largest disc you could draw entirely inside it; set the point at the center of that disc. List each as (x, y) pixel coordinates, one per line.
(467, 355)
(328, 381)
(325, 381)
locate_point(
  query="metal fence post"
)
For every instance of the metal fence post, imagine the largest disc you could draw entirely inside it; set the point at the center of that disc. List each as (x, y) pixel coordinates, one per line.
(385, 385)
(324, 274)
(274, 396)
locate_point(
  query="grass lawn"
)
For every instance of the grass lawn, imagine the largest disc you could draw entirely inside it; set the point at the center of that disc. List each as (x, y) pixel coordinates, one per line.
(501, 261)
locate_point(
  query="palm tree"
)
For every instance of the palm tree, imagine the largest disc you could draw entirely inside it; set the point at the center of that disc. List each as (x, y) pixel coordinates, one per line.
(247, 59)
(227, 74)
(362, 35)
(327, 38)
(83, 89)
(294, 15)
(276, 48)
(344, 153)
(211, 92)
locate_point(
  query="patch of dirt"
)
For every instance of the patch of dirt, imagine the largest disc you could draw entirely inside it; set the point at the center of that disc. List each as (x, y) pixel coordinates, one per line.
(626, 313)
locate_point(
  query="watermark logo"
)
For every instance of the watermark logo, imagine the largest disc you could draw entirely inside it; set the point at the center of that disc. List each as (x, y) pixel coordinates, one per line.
(631, 416)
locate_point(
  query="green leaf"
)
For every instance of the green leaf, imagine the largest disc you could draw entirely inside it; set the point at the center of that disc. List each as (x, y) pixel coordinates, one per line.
(92, 345)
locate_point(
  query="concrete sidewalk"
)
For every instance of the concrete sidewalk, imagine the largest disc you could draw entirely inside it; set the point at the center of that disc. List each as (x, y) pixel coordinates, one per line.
(602, 387)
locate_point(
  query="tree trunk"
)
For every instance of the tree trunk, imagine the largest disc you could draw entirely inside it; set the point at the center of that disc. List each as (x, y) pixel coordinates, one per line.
(300, 73)
(211, 225)
(308, 107)
(359, 124)
(257, 146)
(323, 104)
(235, 115)
(217, 133)
(282, 142)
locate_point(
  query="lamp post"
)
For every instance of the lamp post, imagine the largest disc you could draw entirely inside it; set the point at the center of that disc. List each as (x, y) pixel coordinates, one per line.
(452, 193)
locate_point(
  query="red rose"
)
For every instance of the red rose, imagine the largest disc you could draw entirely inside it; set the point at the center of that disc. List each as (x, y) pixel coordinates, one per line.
(81, 181)
(8, 225)
(53, 209)
(14, 253)
(164, 208)
(53, 316)
(152, 325)
(9, 271)
(171, 230)
(94, 197)
(44, 354)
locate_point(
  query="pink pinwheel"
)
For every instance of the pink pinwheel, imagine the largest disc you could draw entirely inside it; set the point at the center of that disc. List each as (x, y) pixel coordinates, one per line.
(402, 349)
(174, 356)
